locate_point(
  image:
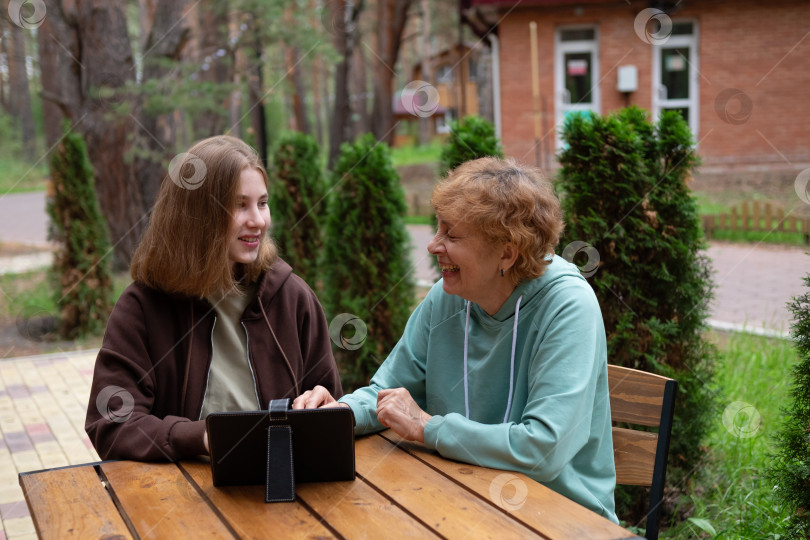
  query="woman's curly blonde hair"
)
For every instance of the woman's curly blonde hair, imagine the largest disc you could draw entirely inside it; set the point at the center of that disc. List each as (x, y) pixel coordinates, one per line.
(506, 202)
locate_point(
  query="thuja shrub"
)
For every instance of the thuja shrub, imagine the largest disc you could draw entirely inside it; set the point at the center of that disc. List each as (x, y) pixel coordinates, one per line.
(368, 288)
(624, 190)
(81, 271)
(470, 138)
(297, 203)
(790, 471)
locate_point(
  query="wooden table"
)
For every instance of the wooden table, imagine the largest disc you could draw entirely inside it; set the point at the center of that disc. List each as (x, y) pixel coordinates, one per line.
(401, 490)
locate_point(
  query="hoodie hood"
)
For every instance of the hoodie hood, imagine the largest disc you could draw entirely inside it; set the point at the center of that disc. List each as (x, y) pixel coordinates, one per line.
(533, 290)
(269, 285)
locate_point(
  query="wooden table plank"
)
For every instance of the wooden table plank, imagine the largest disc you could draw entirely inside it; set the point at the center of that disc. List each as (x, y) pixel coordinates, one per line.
(539, 507)
(49, 493)
(249, 515)
(450, 509)
(356, 510)
(160, 503)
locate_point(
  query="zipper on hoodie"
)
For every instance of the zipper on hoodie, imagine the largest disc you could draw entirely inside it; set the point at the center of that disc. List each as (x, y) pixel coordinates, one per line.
(250, 365)
(208, 373)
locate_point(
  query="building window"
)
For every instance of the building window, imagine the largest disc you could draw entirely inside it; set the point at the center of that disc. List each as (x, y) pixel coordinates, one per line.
(444, 75)
(675, 73)
(576, 73)
(472, 66)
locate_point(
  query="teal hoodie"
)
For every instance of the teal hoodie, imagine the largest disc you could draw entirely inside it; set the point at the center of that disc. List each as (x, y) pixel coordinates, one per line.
(558, 429)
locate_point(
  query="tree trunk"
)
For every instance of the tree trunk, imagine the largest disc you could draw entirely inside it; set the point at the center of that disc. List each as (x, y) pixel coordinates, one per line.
(235, 106)
(211, 37)
(84, 47)
(19, 92)
(391, 18)
(317, 100)
(236, 115)
(344, 17)
(362, 120)
(258, 119)
(3, 54)
(425, 131)
(146, 18)
(58, 42)
(292, 58)
(157, 137)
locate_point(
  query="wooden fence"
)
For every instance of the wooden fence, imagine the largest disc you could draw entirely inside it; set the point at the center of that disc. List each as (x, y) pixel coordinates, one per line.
(757, 216)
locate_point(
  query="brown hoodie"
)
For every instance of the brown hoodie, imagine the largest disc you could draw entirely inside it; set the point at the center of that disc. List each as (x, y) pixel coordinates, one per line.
(151, 372)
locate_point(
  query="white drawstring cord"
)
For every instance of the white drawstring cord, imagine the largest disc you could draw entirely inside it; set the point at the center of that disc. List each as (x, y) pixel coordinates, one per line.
(511, 362)
(466, 334)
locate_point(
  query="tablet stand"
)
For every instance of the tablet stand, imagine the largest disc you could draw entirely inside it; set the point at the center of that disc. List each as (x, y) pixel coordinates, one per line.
(280, 478)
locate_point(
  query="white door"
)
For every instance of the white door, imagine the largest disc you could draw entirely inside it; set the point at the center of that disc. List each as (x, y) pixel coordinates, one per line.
(576, 73)
(675, 73)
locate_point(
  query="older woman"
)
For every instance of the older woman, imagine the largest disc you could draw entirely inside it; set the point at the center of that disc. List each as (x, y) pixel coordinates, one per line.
(504, 362)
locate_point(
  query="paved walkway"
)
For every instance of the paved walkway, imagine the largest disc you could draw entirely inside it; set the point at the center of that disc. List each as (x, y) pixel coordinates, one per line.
(43, 399)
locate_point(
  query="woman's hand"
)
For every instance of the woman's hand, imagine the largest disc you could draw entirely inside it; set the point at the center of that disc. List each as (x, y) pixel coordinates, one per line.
(397, 410)
(315, 398)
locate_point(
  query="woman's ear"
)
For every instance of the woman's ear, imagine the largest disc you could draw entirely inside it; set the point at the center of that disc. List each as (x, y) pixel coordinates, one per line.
(509, 255)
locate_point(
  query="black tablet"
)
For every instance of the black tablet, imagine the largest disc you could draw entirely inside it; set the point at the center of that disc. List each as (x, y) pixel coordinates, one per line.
(322, 444)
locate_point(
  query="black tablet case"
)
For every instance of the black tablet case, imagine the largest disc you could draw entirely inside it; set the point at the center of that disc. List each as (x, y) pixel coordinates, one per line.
(281, 446)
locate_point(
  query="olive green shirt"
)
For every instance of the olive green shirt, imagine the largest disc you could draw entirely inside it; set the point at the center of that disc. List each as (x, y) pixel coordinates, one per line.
(231, 386)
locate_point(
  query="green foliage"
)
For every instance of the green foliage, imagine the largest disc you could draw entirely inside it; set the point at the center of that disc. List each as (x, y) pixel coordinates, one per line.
(470, 138)
(730, 491)
(297, 205)
(367, 271)
(16, 175)
(791, 467)
(82, 272)
(625, 194)
(414, 155)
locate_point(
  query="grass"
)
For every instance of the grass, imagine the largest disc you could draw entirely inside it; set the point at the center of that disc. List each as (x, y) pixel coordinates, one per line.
(758, 237)
(413, 155)
(29, 296)
(18, 177)
(418, 220)
(730, 496)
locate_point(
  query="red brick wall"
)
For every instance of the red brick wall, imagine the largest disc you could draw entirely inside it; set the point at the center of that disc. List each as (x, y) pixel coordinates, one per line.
(761, 49)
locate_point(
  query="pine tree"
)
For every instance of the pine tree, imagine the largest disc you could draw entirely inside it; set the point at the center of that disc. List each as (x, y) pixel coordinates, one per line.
(81, 270)
(791, 465)
(297, 203)
(366, 270)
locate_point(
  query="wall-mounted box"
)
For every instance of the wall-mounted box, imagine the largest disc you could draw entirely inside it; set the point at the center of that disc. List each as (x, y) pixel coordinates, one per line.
(627, 79)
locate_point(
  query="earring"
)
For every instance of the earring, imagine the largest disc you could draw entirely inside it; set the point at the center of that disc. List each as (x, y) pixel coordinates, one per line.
(501, 272)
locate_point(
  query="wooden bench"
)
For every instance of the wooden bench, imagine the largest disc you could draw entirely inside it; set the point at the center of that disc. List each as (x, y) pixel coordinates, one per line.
(759, 217)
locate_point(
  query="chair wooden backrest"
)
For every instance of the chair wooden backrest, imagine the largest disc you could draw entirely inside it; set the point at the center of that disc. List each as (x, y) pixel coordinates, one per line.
(647, 399)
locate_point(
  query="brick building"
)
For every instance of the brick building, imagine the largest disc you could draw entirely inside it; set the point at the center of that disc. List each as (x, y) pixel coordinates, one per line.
(738, 70)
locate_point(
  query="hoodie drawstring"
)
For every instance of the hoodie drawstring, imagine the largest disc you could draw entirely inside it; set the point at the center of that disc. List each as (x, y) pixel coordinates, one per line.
(511, 362)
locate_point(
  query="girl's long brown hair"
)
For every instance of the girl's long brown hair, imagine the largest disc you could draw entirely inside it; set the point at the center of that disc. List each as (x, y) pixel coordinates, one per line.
(185, 248)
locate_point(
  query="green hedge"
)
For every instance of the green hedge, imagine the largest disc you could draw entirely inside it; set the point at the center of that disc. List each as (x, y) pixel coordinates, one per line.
(791, 465)
(298, 204)
(81, 272)
(368, 284)
(623, 184)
